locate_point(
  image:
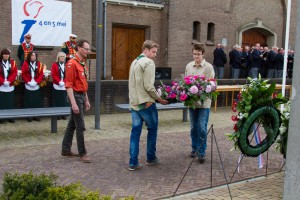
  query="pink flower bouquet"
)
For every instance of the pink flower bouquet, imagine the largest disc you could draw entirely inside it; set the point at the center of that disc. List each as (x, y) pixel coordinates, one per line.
(190, 90)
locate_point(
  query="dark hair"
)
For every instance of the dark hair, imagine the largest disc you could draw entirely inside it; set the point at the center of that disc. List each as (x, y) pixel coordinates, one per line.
(199, 47)
(80, 43)
(4, 51)
(29, 55)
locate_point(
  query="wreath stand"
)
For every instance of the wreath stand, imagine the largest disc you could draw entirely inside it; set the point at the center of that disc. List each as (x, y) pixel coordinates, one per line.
(213, 139)
(267, 161)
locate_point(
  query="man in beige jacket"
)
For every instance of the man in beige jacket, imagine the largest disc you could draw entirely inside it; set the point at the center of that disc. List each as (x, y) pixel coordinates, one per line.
(142, 96)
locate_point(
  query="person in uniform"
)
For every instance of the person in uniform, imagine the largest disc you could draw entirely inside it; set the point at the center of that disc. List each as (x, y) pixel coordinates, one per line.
(76, 85)
(142, 97)
(25, 48)
(59, 93)
(32, 75)
(8, 74)
(68, 47)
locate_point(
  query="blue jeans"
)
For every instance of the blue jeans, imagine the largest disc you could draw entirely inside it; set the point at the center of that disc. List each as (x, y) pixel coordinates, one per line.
(278, 73)
(199, 119)
(220, 72)
(150, 117)
(253, 72)
(236, 73)
(271, 73)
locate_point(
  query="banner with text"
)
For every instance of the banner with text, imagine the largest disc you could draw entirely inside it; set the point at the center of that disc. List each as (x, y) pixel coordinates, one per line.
(48, 21)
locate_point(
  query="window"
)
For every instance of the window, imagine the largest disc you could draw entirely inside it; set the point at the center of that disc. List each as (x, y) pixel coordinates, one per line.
(210, 32)
(196, 30)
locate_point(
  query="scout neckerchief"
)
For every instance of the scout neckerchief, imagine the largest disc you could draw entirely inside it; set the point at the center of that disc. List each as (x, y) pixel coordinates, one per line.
(61, 67)
(33, 68)
(82, 63)
(6, 68)
(140, 56)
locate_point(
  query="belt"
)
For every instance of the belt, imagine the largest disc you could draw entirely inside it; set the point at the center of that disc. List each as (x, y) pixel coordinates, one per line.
(80, 93)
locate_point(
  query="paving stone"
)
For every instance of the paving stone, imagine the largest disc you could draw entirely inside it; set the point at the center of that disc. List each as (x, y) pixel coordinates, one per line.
(28, 147)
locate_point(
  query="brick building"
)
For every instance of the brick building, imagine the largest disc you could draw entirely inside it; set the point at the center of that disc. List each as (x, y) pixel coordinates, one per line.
(174, 24)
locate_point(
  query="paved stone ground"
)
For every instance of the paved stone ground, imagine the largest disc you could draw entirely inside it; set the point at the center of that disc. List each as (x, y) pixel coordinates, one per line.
(28, 147)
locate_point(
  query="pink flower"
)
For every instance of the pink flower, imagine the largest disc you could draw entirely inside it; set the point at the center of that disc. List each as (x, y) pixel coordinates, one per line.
(187, 80)
(208, 89)
(183, 97)
(194, 89)
(212, 83)
(168, 89)
(172, 95)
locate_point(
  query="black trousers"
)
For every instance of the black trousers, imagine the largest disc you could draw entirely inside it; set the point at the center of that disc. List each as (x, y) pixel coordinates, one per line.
(76, 122)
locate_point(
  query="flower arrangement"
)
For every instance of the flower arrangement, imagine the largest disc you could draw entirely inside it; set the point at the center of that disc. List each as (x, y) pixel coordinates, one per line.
(190, 90)
(281, 143)
(257, 94)
(168, 92)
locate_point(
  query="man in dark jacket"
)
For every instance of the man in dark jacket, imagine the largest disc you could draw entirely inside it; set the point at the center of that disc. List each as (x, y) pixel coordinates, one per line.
(219, 61)
(246, 62)
(236, 61)
(278, 62)
(270, 62)
(290, 63)
(256, 61)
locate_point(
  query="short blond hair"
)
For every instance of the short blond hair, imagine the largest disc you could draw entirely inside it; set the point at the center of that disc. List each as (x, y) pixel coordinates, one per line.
(60, 54)
(148, 44)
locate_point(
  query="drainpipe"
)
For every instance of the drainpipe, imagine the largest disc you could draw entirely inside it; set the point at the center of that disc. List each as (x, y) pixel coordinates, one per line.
(104, 41)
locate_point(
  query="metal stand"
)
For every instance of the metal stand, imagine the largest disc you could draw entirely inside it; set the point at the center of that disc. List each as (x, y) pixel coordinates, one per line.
(213, 138)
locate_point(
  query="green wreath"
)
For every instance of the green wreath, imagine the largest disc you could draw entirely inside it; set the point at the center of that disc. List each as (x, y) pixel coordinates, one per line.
(270, 119)
(257, 102)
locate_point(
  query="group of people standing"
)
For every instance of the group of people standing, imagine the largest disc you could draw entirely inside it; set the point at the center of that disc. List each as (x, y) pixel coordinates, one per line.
(70, 85)
(252, 61)
(33, 76)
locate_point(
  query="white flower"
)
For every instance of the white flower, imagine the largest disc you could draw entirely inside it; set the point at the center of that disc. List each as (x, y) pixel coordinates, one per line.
(240, 116)
(282, 129)
(159, 92)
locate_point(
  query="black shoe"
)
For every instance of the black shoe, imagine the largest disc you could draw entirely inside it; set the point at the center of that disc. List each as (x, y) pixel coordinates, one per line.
(201, 159)
(36, 119)
(58, 118)
(193, 154)
(153, 162)
(29, 119)
(11, 120)
(133, 168)
(64, 117)
(2, 121)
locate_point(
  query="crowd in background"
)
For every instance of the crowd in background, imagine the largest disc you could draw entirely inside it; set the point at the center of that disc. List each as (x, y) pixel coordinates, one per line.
(252, 61)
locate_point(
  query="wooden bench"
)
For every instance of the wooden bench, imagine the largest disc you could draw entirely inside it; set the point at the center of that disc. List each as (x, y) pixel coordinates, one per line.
(52, 112)
(173, 106)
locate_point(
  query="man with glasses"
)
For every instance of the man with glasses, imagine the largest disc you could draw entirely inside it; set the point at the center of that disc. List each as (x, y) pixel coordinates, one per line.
(199, 115)
(76, 85)
(68, 47)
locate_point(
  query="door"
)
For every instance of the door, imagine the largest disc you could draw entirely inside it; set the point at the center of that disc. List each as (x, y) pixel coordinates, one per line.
(127, 45)
(253, 36)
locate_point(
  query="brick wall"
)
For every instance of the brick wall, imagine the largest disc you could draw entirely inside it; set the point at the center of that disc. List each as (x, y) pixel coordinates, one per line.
(115, 92)
(171, 26)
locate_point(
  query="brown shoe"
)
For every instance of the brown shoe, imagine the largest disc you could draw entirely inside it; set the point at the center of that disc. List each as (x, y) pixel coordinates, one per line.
(69, 154)
(85, 159)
